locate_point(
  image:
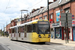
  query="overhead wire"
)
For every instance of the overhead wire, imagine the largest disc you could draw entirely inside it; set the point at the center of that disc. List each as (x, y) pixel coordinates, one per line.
(7, 5)
(26, 8)
(34, 5)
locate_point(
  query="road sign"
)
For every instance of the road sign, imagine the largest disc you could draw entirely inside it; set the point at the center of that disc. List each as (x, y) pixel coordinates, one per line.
(63, 19)
(66, 17)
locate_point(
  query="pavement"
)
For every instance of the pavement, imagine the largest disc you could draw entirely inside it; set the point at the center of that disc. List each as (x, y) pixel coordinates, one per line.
(63, 42)
(55, 44)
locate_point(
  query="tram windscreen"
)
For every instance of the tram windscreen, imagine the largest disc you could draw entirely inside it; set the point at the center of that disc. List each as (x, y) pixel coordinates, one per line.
(44, 28)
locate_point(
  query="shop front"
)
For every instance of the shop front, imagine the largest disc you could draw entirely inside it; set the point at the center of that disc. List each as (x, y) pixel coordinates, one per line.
(73, 30)
(58, 31)
(73, 33)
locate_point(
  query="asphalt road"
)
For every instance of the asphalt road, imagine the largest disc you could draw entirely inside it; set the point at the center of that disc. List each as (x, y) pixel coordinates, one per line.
(7, 44)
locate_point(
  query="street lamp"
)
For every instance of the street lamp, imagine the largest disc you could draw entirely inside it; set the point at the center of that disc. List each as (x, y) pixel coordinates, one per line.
(21, 14)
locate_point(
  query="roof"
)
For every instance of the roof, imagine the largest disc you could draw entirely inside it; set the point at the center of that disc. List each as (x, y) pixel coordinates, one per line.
(52, 5)
(57, 3)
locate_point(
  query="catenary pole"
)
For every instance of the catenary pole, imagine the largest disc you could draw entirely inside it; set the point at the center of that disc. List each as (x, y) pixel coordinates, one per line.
(48, 12)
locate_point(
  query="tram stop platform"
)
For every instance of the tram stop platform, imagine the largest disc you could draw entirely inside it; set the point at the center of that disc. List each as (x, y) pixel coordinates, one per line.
(63, 42)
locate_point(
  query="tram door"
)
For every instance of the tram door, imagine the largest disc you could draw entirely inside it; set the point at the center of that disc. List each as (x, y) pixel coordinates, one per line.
(25, 30)
(74, 33)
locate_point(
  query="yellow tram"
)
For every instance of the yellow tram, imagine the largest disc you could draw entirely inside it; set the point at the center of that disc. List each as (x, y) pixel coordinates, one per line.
(33, 31)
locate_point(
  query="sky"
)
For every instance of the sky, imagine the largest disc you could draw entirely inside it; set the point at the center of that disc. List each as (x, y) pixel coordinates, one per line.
(10, 9)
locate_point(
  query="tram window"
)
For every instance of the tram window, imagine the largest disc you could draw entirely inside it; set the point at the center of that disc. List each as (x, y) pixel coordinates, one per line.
(34, 28)
(15, 30)
(29, 28)
(19, 30)
(22, 29)
(12, 30)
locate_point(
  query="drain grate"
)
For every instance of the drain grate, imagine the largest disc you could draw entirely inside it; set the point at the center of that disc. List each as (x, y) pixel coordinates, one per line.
(1, 48)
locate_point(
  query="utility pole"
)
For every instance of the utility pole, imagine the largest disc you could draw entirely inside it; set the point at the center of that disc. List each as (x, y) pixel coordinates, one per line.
(48, 8)
(48, 12)
(67, 28)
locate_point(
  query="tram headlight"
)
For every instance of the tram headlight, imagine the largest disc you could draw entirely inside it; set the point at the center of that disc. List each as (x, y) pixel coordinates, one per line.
(49, 36)
(39, 36)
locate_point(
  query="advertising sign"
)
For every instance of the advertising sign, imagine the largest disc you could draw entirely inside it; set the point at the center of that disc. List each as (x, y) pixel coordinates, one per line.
(58, 16)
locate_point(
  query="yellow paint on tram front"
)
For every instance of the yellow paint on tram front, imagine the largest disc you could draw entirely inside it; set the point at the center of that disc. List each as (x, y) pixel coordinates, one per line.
(44, 38)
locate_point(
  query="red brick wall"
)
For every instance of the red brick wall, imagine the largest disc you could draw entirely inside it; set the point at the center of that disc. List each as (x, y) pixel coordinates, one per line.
(37, 17)
(73, 8)
(8, 27)
(55, 14)
(41, 15)
(33, 18)
(44, 15)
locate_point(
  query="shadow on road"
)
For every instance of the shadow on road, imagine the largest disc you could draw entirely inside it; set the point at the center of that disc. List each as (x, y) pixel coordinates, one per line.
(41, 43)
(51, 43)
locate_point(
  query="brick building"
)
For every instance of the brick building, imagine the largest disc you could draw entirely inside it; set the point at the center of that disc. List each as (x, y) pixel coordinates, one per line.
(8, 27)
(55, 10)
(13, 23)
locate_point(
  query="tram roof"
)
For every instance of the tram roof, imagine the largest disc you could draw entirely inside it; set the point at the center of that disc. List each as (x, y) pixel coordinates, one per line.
(34, 21)
(24, 24)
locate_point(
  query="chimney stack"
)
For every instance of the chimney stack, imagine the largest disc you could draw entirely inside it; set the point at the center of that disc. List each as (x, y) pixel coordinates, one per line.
(55, 0)
(41, 7)
(33, 10)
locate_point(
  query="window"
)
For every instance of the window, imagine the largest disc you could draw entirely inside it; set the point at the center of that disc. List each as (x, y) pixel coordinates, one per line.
(22, 29)
(67, 10)
(19, 20)
(12, 30)
(29, 28)
(36, 18)
(51, 16)
(40, 17)
(45, 17)
(15, 30)
(35, 28)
